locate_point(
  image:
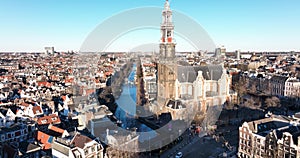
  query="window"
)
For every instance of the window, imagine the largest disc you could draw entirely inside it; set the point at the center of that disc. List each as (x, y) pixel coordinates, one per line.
(86, 151)
(50, 139)
(78, 156)
(190, 90)
(53, 118)
(169, 32)
(44, 121)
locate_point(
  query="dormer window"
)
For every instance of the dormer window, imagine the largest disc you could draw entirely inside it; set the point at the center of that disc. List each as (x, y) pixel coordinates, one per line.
(53, 118)
(44, 121)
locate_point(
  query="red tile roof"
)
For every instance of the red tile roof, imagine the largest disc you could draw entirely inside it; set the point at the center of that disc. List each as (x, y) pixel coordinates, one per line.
(64, 97)
(108, 73)
(89, 91)
(51, 119)
(37, 110)
(149, 65)
(46, 84)
(24, 104)
(69, 80)
(45, 139)
(56, 129)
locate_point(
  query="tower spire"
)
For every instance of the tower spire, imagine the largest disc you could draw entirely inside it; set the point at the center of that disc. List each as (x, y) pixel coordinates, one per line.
(167, 47)
(167, 59)
(167, 5)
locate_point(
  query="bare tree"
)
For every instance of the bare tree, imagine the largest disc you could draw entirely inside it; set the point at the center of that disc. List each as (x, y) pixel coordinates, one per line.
(115, 153)
(272, 102)
(240, 88)
(249, 104)
(253, 89)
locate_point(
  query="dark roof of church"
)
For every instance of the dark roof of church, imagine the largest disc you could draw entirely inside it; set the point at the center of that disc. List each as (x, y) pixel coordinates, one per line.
(190, 73)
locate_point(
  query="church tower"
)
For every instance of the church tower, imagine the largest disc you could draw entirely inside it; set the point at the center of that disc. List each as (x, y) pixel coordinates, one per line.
(167, 60)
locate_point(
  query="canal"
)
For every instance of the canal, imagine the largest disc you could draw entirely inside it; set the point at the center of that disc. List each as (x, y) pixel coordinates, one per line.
(126, 109)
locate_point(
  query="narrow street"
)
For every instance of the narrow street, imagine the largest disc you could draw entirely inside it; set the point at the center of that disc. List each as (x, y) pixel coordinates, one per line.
(204, 146)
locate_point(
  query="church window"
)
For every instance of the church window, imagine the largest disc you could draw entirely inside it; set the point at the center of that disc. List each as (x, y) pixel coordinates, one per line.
(190, 90)
(199, 89)
(183, 89)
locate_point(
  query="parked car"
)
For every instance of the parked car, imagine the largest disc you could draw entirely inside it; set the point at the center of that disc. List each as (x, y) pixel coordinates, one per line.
(179, 155)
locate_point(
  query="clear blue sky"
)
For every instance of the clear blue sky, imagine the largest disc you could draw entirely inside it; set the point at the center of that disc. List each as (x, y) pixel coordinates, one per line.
(258, 25)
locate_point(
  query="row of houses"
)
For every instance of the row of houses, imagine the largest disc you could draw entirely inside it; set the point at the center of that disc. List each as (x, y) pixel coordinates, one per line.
(40, 105)
(274, 136)
(275, 85)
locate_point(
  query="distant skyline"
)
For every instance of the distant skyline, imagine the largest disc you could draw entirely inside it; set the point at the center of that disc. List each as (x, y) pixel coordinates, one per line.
(256, 25)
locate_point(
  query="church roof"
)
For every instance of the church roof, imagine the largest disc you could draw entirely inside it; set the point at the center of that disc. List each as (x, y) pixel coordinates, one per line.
(190, 73)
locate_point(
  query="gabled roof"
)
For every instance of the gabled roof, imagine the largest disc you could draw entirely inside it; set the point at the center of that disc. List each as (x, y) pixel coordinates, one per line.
(37, 110)
(3, 111)
(79, 140)
(56, 129)
(10, 113)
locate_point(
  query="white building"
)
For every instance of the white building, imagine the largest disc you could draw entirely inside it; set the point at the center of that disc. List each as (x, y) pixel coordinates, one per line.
(276, 136)
(292, 88)
(49, 50)
(207, 85)
(76, 146)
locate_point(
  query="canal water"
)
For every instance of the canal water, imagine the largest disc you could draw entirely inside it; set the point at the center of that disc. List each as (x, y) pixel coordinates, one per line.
(127, 109)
